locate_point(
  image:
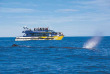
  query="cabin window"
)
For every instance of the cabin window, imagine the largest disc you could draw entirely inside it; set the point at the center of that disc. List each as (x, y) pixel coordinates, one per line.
(44, 34)
(32, 34)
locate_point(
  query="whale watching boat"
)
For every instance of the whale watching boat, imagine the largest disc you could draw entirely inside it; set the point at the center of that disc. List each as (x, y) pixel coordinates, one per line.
(40, 34)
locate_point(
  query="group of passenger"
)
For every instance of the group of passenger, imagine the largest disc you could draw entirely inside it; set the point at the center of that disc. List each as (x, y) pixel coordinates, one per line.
(40, 29)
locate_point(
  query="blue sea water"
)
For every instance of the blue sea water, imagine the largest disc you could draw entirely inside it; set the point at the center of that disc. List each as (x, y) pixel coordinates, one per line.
(40, 57)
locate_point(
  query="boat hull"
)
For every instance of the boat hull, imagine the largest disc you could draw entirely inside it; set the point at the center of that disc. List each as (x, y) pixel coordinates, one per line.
(39, 38)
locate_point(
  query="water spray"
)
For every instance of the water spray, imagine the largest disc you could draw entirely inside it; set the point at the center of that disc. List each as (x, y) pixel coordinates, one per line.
(90, 44)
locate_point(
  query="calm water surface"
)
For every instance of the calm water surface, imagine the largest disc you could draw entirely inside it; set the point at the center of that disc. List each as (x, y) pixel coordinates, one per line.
(37, 57)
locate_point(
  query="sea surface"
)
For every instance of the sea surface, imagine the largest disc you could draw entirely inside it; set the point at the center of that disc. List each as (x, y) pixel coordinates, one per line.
(54, 57)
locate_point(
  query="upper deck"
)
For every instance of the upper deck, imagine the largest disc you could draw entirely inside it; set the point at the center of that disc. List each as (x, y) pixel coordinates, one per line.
(37, 30)
(40, 32)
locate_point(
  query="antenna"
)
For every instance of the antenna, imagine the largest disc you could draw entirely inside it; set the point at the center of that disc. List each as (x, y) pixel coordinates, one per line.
(25, 27)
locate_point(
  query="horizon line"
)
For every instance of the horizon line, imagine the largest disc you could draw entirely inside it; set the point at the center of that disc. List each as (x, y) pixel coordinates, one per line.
(64, 36)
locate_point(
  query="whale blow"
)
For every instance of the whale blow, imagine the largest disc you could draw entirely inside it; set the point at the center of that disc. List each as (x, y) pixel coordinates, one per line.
(92, 42)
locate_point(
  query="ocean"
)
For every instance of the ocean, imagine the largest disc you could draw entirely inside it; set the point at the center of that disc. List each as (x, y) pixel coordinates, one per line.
(66, 56)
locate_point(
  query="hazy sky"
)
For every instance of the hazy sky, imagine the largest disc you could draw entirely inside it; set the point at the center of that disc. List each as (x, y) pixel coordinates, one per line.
(72, 17)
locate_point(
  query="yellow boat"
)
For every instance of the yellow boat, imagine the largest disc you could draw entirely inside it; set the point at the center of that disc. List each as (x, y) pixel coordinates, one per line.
(40, 34)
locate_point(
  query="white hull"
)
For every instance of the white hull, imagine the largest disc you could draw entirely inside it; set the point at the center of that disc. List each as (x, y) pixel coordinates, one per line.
(31, 38)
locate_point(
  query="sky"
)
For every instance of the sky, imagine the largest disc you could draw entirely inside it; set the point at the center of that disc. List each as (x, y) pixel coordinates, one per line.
(72, 17)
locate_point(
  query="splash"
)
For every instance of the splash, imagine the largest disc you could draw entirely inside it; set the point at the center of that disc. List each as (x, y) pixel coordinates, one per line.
(90, 44)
